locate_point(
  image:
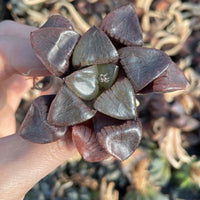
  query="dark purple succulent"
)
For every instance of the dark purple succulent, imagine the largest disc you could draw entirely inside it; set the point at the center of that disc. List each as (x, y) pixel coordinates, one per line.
(102, 72)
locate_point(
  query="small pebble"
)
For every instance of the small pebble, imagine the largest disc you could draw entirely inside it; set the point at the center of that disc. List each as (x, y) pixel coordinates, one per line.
(71, 194)
(60, 198)
(114, 175)
(45, 188)
(84, 193)
(35, 194)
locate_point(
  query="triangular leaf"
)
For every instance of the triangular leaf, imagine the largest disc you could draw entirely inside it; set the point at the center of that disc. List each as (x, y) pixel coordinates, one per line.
(107, 74)
(84, 83)
(35, 127)
(118, 101)
(143, 65)
(122, 24)
(53, 46)
(94, 47)
(87, 144)
(170, 80)
(118, 137)
(67, 109)
(58, 21)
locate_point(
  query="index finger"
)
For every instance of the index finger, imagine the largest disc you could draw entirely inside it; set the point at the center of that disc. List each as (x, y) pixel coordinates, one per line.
(16, 53)
(12, 28)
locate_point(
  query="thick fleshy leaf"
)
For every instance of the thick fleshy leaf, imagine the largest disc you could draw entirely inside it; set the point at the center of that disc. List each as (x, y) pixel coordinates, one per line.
(84, 83)
(35, 127)
(67, 109)
(122, 24)
(143, 65)
(58, 21)
(94, 47)
(87, 144)
(107, 74)
(53, 46)
(118, 101)
(118, 137)
(170, 80)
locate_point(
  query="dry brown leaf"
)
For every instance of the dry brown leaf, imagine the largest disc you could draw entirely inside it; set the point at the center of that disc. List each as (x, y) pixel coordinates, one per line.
(140, 175)
(86, 181)
(107, 191)
(172, 148)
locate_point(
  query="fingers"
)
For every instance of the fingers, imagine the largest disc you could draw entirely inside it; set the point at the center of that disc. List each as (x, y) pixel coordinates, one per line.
(11, 28)
(13, 90)
(11, 93)
(22, 164)
(16, 53)
(7, 122)
(17, 56)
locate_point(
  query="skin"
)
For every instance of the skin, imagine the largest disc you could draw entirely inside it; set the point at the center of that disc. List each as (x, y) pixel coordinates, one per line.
(22, 163)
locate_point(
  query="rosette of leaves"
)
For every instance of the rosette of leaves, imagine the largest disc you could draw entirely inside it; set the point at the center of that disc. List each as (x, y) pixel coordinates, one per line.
(102, 72)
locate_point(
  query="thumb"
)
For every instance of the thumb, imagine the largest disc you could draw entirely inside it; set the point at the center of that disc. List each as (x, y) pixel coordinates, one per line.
(17, 57)
(16, 53)
(22, 163)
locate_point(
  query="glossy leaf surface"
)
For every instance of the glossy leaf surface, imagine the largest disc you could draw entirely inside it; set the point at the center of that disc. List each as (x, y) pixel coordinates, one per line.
(87, 144)
(58, 21)
(54, 46)
(107, 74)
(84, 83)
(118, 101)
(171, 80)
(112, 128)
(143, 65)
(94, 47)
(118, 137)
(35, 127)
(67, 109)
(122, 24)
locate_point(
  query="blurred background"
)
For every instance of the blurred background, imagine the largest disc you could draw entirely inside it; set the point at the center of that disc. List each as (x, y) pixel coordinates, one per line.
(166, 164)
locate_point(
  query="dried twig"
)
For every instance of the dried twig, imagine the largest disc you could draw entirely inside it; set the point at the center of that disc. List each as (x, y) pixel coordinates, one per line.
(33, 2)
(166, 28)
(86, 181)
(172, 148)
(107, 191)
(140, 175)
(81, 24)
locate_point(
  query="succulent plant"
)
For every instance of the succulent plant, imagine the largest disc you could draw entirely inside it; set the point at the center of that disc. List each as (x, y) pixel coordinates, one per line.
(102, 72)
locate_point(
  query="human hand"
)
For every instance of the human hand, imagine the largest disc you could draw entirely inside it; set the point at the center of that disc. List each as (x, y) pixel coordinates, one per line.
(22, 163)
